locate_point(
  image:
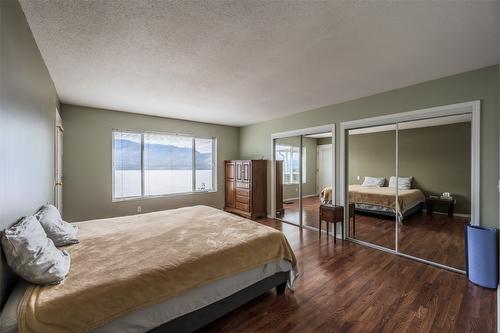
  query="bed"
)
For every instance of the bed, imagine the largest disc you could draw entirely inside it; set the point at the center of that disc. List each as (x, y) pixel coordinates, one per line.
(381, 200)
(174, 270)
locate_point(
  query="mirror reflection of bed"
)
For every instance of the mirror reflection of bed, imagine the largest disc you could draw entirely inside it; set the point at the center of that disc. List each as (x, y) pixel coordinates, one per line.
(433, 157)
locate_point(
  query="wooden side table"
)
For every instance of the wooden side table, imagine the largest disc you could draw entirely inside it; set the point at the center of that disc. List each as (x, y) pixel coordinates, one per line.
(331, 214)
(448, 203)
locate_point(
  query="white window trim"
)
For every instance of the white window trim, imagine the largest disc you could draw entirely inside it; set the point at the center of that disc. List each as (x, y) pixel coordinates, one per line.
(142, 196)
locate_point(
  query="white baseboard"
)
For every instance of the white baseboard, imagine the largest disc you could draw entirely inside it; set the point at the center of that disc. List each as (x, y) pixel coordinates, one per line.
(305, 196)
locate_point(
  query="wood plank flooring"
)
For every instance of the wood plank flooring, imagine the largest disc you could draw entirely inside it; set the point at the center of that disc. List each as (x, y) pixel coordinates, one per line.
(433, 237)
(310, 214)
(353, 288)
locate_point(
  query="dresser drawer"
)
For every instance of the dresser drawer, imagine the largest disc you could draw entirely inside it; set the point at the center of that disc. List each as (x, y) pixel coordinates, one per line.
(243, 199)
(242, 192)
(242, 185)
(242, 206)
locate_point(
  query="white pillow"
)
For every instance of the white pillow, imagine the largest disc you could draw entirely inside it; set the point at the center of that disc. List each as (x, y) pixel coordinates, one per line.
(61, 232)
(373, 181)
(32, 255)
(404, 183)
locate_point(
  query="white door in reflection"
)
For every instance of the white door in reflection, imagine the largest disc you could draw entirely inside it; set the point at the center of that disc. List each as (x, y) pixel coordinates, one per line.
(324, 167)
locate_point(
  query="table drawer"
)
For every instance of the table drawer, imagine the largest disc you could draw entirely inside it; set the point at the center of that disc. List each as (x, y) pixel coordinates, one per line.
(242, 192)
(334, 214)
(243, 199)
(242, 206)
(327, 215)
(242, 185)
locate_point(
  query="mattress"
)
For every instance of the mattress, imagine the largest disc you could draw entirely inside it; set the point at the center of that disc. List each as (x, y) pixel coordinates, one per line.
(150, 317)
(128, 263)
(386, 197)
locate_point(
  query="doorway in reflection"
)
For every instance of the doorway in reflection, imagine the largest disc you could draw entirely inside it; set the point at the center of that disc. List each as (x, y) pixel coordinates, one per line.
(288, 178)
(304, 177)
(318, 170)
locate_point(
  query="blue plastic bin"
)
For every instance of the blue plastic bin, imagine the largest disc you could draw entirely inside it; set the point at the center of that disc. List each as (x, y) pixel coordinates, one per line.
(482, 255)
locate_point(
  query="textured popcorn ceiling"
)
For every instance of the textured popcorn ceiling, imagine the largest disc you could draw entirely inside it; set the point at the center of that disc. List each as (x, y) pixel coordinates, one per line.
(243, 62)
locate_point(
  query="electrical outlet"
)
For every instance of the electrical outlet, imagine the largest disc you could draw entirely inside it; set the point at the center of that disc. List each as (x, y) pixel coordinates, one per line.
(139, 209)
(359, 178)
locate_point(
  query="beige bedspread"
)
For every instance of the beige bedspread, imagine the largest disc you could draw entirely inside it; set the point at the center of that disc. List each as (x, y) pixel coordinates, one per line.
(126, 263)
(385, 196)
(326, 195)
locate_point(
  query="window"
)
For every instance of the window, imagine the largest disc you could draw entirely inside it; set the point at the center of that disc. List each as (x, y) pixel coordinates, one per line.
(291, 159)
(154, 164)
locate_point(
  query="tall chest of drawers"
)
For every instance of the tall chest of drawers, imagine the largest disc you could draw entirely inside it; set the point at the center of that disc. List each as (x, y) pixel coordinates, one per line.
(246, 187)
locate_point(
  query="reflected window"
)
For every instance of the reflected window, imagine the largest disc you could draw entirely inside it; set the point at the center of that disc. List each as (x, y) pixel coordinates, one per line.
(290, 155)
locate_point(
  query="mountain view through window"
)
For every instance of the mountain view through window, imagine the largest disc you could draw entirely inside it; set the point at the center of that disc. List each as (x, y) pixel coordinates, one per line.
(152, 164)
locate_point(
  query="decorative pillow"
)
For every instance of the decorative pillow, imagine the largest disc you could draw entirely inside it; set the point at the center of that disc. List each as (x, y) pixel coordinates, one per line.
(61, 232)
(404, 183)
(32, 255)
(373, 181)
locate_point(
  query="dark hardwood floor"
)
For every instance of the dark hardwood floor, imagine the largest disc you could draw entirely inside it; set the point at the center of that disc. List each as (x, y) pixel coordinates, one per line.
(435, 237)
(353, 288)
(310, 214)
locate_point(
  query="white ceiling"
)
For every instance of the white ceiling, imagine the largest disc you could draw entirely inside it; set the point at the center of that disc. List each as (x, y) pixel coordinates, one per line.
(242, 62)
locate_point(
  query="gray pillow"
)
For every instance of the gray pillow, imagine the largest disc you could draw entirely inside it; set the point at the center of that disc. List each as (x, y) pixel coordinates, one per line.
(32, 255)
(404, 183)
(61, 232)
(373, 181)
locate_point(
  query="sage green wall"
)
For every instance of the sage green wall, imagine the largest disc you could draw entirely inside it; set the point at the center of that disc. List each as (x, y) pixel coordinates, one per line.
(481, 84)
(291, 191)
(87, 161)
(372, 155)
(28, 103)
(438, 158)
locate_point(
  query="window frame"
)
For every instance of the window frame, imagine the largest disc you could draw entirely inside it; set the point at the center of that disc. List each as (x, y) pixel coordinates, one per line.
(292, 173)
(193, 170)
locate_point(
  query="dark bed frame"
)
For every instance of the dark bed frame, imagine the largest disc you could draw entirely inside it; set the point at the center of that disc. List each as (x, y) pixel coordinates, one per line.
(409, 212)
(195, 320)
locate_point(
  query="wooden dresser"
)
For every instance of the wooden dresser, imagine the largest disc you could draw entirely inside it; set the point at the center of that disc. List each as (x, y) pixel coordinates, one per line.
(246, 187)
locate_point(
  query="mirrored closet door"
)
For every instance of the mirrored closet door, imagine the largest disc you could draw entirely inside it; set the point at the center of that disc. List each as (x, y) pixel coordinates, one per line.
(371, 153)
(304, 167)
(434, 188)
(287, 152)
(317, 172)
(412, 185)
